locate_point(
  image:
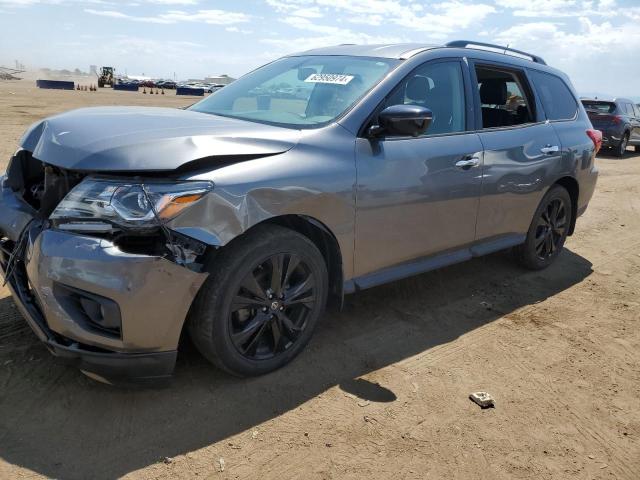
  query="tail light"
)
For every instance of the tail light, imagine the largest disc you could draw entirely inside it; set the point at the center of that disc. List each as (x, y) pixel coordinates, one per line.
(596, 138)
(616, 119)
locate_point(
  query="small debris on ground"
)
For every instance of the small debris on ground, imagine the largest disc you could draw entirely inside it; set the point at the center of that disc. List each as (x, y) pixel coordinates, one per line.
(221, 464)
(483, 399)
(167, 460)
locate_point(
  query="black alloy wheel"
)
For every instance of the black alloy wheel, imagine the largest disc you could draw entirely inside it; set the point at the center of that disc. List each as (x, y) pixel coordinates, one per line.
(551, 229)
(269, 311)
(264, 296)
(548, 230)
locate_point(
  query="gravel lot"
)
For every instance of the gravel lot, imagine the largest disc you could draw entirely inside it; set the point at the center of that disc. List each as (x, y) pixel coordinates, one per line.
(382, 390)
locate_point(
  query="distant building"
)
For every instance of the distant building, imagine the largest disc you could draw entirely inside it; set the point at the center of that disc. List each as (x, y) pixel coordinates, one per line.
(219, 79)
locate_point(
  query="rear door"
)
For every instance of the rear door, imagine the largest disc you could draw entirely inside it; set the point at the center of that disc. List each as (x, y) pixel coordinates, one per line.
(521, 150)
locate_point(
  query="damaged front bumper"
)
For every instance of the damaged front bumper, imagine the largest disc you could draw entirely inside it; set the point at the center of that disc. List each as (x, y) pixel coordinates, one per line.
(117, 315)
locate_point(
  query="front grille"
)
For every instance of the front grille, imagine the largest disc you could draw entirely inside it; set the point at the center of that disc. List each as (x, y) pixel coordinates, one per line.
(40, 185)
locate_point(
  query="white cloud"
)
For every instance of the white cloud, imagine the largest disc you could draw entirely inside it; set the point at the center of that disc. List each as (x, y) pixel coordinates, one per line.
(239, 30)
(336, 35)
(173, 2)
(124, 16)
(559, 8)
(439, 19)
(212, 17)
(17, 4)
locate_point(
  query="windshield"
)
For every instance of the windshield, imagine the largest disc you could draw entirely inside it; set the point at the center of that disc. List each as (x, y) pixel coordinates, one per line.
(298, 92)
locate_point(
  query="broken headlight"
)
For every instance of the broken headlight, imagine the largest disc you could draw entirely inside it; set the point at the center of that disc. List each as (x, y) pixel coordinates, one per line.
(97, 204)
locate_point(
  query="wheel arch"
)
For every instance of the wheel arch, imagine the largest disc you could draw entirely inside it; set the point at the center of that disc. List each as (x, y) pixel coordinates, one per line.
(571, 185)
(324, 239)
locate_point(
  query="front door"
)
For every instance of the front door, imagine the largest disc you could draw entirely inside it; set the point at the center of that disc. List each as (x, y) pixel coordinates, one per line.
(419, 196)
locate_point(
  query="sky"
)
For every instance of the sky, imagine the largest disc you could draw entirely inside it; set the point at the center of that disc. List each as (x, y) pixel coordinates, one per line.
(596, 42)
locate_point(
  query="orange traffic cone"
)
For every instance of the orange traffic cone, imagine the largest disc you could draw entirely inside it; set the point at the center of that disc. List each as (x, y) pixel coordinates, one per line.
(144, 90)
(78, 87)
(163, 91)
(157, 91)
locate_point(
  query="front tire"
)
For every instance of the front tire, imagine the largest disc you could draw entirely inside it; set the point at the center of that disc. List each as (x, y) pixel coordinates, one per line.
(261, 303)
(548, 230)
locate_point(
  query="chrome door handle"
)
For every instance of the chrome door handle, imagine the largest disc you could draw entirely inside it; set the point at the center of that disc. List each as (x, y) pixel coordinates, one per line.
(550, 149)
(468, 163)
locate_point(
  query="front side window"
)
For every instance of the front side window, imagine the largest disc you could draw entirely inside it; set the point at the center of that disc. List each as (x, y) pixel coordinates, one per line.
(298, 92)
(438, 86)
(557, 100)
(503, 98)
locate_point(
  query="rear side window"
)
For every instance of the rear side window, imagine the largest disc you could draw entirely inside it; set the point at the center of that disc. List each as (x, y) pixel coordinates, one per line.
(557, 100)
(629, 108)
(503, 97)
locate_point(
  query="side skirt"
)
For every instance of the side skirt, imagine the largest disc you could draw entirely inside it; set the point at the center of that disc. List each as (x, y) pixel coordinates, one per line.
(433, 262)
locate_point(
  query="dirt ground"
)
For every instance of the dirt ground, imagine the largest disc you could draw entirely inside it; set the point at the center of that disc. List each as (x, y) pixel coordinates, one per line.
(382, 391)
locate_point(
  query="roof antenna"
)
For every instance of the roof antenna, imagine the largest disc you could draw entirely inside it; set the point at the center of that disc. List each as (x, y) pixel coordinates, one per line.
(505, 49)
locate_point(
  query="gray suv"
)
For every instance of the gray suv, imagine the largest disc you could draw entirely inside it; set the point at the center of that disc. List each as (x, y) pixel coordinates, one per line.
(323, 173)
(618, 120)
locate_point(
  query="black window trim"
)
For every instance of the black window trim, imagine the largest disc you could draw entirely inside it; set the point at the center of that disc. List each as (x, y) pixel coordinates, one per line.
(521, 74)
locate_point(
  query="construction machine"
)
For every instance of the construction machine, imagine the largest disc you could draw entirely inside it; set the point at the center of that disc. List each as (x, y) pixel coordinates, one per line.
(106, 77)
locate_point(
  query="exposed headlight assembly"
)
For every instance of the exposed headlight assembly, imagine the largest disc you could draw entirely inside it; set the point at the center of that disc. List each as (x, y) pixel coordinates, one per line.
(99, 204)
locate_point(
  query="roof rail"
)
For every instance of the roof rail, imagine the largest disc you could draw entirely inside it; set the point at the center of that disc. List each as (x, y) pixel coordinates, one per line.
(471, 44)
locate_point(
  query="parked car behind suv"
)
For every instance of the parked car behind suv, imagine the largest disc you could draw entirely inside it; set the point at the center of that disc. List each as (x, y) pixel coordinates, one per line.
(242, 216)
(619, 122)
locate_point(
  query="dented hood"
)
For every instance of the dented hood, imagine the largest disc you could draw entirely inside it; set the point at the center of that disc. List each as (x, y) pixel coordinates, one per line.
(120, 139)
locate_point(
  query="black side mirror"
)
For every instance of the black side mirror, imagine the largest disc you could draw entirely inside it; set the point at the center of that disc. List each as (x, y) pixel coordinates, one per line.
(402, 120)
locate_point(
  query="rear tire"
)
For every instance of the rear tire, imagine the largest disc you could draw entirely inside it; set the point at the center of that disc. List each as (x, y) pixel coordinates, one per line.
(261, 303)
(548, 230)
(622, 146)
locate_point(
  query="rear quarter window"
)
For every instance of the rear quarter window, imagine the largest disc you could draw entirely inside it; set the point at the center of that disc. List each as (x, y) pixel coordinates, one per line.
(556, 98)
